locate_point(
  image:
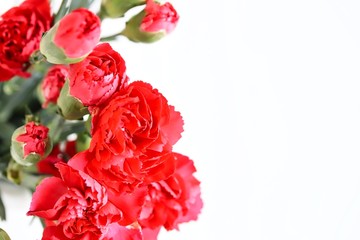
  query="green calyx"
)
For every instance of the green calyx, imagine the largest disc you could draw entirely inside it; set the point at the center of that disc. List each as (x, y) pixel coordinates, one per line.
(52, 52)
(70, 107)
(17, 150)
(133, 32)
(4, 235)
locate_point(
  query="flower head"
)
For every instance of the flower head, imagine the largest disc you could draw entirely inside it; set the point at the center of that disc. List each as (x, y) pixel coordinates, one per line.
(98, 76)
(61, 152)
(136, 121)
(72, 38)
(21, 29)
(53, 82)
(174, 200)
(159, 17)
(77, 208)
(30, 143)
(153, 23)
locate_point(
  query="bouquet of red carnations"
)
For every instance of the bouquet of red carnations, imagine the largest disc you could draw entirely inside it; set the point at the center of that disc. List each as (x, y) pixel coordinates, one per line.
(93, 145)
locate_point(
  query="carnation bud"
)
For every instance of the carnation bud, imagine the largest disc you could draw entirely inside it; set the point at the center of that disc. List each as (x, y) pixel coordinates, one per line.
(4, 235)
(118, 8)
(30, 143)
(70, 107)
(153, 23)
(72, 38)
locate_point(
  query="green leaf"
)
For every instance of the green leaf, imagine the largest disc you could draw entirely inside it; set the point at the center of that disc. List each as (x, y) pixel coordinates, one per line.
(4, 235)
(42, 221)
(2, 211)
(2, 93)
(63, 10)
(20, 97)
(56, 126)
(80, 4)
(7, 130)
(72, 127)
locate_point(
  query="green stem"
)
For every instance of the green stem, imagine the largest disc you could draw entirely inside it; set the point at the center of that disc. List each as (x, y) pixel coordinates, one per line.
(4, 161)
(72, 127)
(80, 4)
(2, 210)
(101, 15)
(36, 57)
(30, 181)
(19, 97)
(112, 37)
(63, 10)
(1, 90)
(56, 127)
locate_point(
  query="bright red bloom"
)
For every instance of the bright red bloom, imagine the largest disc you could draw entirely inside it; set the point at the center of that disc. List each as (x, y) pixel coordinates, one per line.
(136, 121)
(118, 232)
(98, 76)
(53, 82)
(150, 234)
(159, 17)
(78, 206)
(78, 33)
(60, 153)
(128, 200)
(128, 174)
(174, 200)
(34, 138)
(115, 232)
(21, 29)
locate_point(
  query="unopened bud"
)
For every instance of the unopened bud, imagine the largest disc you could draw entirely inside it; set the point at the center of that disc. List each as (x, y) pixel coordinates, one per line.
(4, 235)
(153, 23)
(72, 38)
(30, 143)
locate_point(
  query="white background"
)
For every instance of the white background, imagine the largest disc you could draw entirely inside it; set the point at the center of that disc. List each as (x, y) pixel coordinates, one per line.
(269, 91)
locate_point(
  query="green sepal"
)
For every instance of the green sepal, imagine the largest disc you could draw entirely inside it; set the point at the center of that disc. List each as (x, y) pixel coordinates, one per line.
(4, 235)
(70, 107)
(53, 53)
(17, 150)
(133, 32)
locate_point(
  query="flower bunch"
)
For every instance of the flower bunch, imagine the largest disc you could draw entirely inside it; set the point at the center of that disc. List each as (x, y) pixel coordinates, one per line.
(93, 145)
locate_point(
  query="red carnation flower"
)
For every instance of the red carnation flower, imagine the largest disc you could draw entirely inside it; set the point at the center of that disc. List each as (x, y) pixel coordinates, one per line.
(174, 200)
(60, 153)
(21, 29)
(98, 76)
(159, 17)
(34, 139)
(78, 206)
(135, 122)
(53, 82)
(72, 38)
(128, 200)
(78, 33)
